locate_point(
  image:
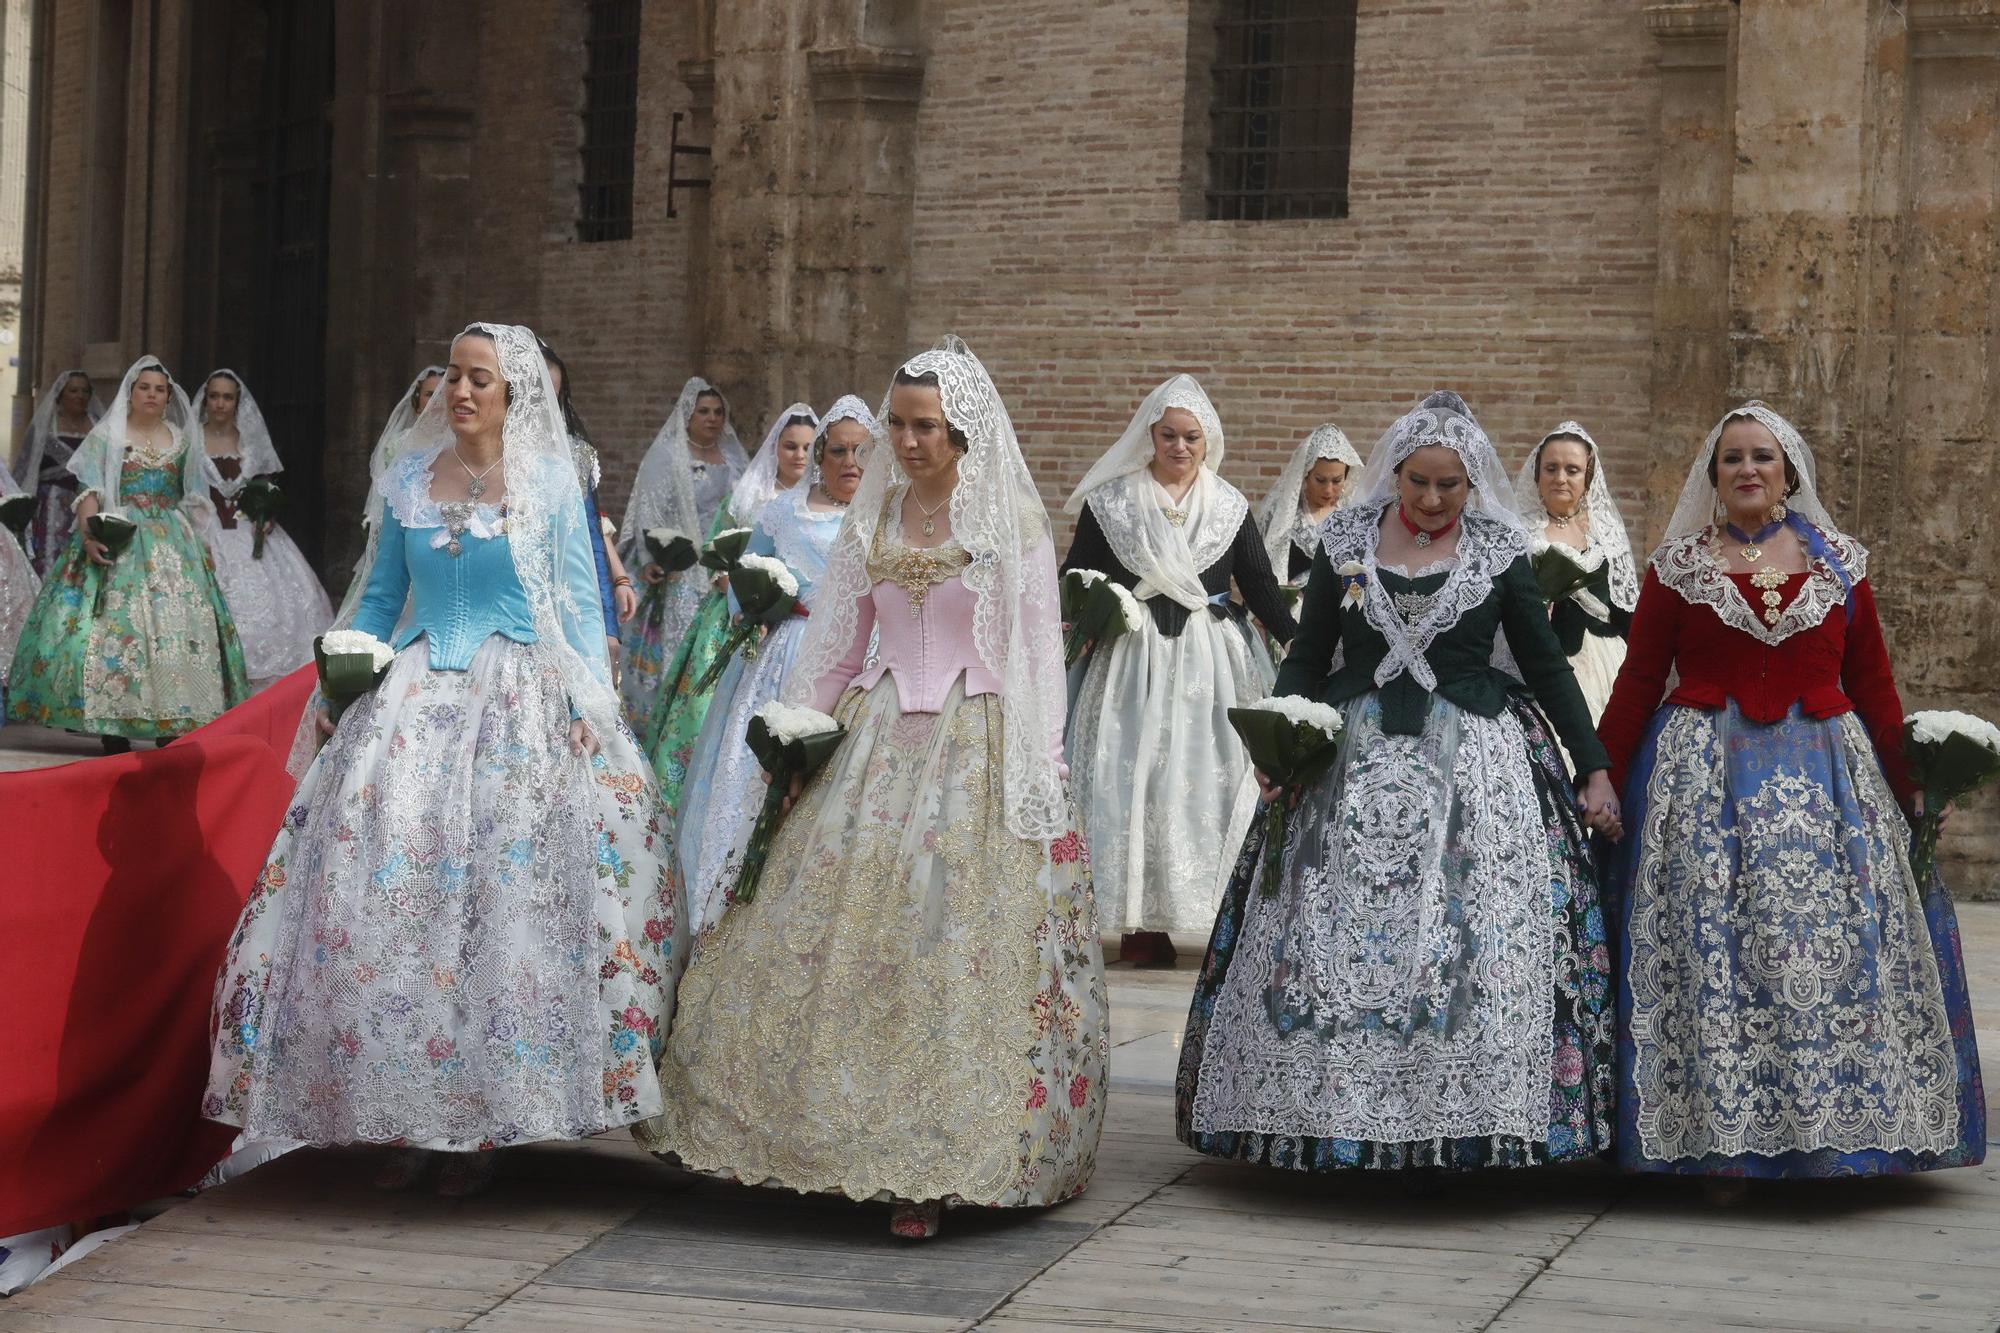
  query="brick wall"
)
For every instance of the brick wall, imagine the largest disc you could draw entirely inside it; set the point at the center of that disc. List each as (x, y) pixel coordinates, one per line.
(1500, 237)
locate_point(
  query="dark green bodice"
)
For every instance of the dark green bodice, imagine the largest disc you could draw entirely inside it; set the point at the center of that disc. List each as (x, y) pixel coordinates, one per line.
(1460, 657)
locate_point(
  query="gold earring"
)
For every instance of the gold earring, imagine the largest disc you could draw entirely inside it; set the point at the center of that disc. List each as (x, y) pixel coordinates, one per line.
(1777, 513)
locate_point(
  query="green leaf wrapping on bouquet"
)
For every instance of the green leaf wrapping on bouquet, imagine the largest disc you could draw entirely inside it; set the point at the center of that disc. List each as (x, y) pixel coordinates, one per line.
(783, 760)
(1104, 611)
(259, 501)
(1294, 755)
(116, 534)
(345, 677)
(675, 554)
(727, 548)
(16, 512)
(1558, 572)
(1946, 768)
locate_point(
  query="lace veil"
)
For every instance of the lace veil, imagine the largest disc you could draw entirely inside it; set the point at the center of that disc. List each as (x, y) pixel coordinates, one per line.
(1607, 524)
(1442, 418)
(390, 443)
(1696, 508)
(259, 455)
(997, 516)
(1119, 489)
(1281, 518)
(42, 426)
(759, 482)
(663, 492)
(99, 462)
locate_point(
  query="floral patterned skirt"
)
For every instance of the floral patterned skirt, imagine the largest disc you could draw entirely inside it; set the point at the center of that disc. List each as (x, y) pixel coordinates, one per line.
(54, 520)
(678, 709)
(465, 935)
(158, 659)
(650, 638)
(1791, 1002)
(1428, 985)
(913, 1005)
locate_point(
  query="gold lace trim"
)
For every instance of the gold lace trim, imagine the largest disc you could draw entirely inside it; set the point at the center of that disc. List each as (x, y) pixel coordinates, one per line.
(915, 570)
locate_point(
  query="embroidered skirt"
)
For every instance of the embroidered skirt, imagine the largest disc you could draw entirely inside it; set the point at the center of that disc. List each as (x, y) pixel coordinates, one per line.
(1792, 1002)
(913, 1004)
(678, 708)
(465, 934)
(650, 638)
(1162, 779)
(1428, 984)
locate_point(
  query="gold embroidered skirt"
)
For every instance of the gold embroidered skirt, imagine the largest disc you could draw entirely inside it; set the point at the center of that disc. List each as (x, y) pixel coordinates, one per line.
(913, 1004)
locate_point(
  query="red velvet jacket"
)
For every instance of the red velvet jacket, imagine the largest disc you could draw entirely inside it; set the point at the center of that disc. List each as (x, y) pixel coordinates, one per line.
(1705, 624)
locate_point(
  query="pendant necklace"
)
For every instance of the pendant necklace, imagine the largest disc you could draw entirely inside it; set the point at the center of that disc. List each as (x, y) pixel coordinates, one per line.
(1417, 534)
(1753, 547)
(1561, 522)
(930, 515)
(475, 485)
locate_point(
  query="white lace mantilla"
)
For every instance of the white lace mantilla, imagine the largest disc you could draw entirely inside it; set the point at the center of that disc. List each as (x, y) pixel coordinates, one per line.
(1486, 547)
(1116, 505)
(1692, 567)
(407, 488)
(1785, 994)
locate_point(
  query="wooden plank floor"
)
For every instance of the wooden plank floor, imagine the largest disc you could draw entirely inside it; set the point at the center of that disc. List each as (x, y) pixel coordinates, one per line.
(599, 1238)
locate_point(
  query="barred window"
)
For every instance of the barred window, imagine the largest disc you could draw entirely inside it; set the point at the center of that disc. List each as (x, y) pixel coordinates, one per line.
(1281, 110)
(610, 121)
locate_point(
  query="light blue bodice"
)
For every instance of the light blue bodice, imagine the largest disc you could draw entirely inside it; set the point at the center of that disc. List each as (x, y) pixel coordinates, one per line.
(799, 536)
(459, 601)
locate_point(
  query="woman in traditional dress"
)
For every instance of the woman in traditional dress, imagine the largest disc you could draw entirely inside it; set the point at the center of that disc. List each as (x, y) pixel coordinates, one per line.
(18, 586)
(614, 585)
(725, 790)
(389, 446)
(680, 709)
(1568, 503)
(464, 936)
(1792, 1001)
(683, 484)
(1319, 476)
(275, 597)
(141, 646)
(62, 419)
(923, 935)
(1422, 982)
(1162, 780)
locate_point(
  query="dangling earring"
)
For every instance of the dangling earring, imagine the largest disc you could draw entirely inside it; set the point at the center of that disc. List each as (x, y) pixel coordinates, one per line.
(1777, 513)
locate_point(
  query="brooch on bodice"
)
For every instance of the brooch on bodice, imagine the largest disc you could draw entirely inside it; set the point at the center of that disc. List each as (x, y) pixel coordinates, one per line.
(916, 571)
(1769, 581)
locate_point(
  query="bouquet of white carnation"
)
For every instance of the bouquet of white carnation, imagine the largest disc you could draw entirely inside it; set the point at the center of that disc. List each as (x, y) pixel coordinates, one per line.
(768, 592)
(671, 549)
(1293, 742)
(350, 663)
(725, 548)
(1951, 755)
(1098, 611)
(790, 742)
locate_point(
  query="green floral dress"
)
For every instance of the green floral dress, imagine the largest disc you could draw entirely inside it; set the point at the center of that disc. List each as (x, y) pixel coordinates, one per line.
(159, 656)
(679, 709)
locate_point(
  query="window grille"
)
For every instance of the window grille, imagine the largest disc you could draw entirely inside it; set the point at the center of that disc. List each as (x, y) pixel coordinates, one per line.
(1281, 113)
(610, 121)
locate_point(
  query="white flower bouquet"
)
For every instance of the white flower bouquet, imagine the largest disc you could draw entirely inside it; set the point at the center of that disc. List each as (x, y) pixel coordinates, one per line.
(790, 742)
(1293, 742)
(725, 549)
(1097, 610)
(768, 592)
(1558, 567)
(1951, 755)
(671, 549)
(350, 664)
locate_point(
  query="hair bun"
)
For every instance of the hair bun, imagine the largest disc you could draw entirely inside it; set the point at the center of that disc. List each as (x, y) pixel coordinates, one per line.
(1446, 399)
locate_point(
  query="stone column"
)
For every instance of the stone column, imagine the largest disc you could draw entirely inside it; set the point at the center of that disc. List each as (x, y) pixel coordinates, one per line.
(1691, 292)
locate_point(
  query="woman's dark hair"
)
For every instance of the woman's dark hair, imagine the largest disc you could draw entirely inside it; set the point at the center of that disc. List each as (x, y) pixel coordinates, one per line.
(482, 333)
(716, 394)
(798, 419)
(572, 419)
(1446, 399)
(928, 380)
(429, 373)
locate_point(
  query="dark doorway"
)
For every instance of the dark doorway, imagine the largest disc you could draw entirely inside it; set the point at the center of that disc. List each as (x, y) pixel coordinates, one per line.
(289, 371)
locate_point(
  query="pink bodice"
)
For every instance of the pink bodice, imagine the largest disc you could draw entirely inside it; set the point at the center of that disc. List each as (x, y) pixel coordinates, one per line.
(920, 612)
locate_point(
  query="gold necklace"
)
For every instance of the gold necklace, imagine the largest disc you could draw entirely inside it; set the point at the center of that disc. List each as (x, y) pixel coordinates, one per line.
(930, 515)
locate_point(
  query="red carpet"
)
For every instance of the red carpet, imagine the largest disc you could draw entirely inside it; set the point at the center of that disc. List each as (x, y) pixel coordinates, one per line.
(120, 881)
